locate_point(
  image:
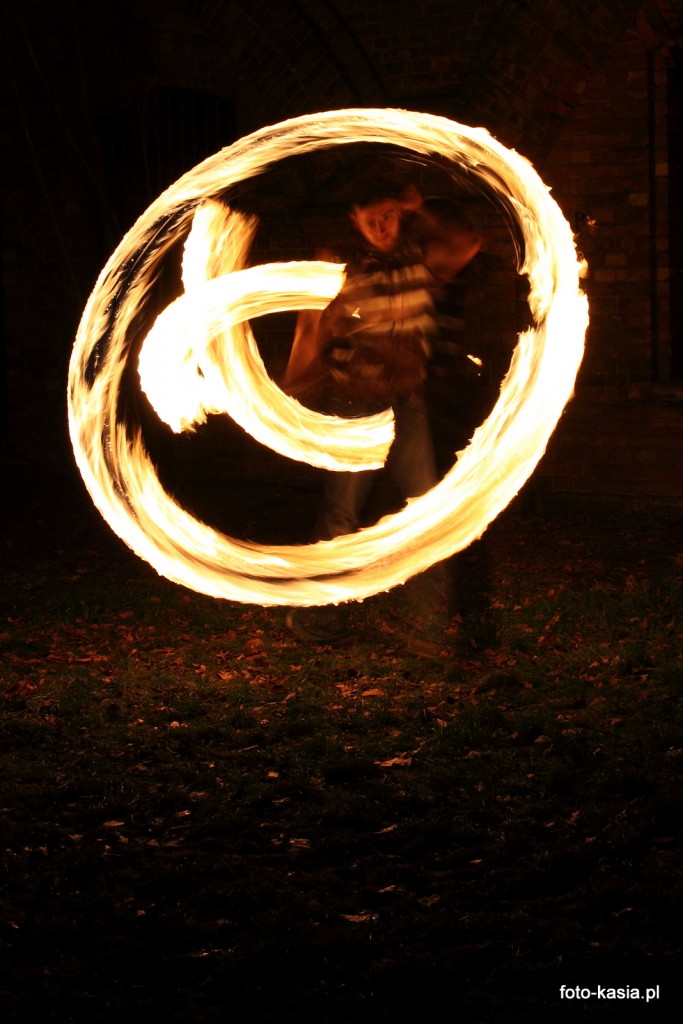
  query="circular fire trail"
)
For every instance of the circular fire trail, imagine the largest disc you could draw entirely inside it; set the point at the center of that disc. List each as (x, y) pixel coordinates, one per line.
(200, 357)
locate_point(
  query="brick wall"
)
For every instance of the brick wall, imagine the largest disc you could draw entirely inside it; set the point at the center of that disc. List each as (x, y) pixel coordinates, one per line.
(578, 86)
(622, 437)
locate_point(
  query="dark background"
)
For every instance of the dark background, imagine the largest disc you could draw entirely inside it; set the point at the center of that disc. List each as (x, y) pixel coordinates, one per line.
(544, 800)
(102, 107)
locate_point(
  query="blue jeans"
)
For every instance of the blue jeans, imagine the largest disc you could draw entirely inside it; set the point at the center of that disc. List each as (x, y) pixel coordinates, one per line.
(410, 462)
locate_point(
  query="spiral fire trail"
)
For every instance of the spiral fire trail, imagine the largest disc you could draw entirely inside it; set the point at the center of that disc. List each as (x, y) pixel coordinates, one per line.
(201, 349)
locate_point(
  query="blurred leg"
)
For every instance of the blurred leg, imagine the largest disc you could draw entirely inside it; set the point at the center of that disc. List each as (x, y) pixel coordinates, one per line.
(344, 496)
(411, 460)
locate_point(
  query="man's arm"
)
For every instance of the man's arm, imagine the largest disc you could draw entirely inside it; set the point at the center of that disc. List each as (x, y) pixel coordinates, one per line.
(313, 334)
(449, 241)
(304, 366)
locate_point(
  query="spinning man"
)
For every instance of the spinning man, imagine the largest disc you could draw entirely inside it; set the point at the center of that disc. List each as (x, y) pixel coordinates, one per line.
(371, 346)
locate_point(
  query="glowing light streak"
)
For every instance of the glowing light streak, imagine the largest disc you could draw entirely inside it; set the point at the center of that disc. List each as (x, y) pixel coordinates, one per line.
(201, 357)
(502, 454)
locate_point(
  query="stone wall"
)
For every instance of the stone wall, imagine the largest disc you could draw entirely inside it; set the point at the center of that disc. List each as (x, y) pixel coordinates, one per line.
(622, 437)
(583, 89)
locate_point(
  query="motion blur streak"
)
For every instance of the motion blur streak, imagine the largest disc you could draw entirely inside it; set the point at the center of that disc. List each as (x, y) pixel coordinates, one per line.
(218, 369)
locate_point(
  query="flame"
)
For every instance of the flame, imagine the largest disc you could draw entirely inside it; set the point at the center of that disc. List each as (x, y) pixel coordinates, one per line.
(229, 374)
(200, 357)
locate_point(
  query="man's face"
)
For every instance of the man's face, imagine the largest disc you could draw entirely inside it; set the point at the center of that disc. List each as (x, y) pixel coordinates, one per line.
(379, 223)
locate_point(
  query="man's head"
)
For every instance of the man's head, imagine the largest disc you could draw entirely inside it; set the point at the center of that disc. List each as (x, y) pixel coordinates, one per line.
(376, 210)
(379, 222)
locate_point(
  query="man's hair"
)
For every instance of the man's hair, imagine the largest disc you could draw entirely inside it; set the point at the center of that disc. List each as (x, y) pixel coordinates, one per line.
(375, 190)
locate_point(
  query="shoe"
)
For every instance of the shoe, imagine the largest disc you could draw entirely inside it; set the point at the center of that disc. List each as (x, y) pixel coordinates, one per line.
(325, 625)
(422, 647)
(421, 638)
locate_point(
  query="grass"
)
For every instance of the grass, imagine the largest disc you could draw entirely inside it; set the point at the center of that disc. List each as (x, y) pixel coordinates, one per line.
(206, 821)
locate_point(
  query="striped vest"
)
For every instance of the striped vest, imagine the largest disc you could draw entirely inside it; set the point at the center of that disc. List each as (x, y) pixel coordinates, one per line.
(380, 323)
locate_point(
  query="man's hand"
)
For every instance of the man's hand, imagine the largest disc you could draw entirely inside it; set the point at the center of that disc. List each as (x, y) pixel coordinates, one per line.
(410, 199)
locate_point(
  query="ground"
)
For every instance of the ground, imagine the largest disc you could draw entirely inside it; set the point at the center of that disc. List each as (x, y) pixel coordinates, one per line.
(205, 820)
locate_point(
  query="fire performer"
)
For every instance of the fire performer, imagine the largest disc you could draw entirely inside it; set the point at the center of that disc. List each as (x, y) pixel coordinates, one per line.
(369, 350)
